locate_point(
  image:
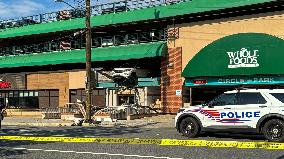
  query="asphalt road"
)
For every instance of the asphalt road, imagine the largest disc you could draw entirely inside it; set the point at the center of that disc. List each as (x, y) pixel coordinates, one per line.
(61, 150)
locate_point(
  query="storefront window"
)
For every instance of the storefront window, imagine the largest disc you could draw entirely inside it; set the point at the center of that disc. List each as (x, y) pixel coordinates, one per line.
(16, 93)
(26, 94)
(125, 99)
(102, 92)
(29, 99)
(31, 93)
(97, 97)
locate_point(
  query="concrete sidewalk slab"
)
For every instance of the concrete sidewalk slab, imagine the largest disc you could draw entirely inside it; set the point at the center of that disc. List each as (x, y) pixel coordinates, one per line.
(159, 121)
(24, 121)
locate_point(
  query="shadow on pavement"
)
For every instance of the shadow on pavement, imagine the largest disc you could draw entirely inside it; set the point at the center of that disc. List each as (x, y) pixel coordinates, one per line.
(74, 131)
(4, 153)
(6, 146)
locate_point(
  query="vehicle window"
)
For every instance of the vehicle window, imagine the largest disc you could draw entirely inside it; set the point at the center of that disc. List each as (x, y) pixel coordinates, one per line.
(251, 98)
(279, 96)
(224, 99)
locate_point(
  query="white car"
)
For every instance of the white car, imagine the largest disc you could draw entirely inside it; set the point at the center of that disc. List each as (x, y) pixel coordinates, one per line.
(260, 110)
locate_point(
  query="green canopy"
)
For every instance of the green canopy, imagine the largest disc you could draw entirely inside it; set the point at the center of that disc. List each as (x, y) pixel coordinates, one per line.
(237, 55)
(189, 7)
(78, 56)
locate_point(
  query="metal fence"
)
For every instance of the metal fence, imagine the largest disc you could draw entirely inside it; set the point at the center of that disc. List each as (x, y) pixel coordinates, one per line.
(78, 42)
(60, 110)
(55, 113)
(124, 111)
(121, 6)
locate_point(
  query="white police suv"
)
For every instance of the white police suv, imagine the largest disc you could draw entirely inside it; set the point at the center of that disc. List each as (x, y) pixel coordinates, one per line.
(260, 110)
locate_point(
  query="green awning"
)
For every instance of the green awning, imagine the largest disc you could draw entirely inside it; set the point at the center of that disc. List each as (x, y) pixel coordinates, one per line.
(237, 55)
(190, 7)
(78, 56)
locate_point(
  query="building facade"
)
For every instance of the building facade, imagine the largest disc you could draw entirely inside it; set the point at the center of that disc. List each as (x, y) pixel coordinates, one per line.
(184, 53)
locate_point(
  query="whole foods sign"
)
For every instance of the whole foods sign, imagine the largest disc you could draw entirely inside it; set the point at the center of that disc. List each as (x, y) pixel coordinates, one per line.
(243, 58)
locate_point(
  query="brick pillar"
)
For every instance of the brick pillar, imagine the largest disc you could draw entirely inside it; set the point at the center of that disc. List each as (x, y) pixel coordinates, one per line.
(171, 80)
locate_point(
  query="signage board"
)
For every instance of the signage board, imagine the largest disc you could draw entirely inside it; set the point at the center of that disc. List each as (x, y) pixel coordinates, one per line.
(13, 81)
(199, 81)
(4, 84)
(178, 92)
(232, 81)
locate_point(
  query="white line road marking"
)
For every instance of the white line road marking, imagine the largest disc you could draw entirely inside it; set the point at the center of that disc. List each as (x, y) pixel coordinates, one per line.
(94, 153)
(19, 148)
(24, 130)
(89, 136)
(84, 152)
(28, 134)
(35, 149)
(99, 153)
(131, 155)
(59, 135)
(50, 150)
(114, 154)
(67, 151)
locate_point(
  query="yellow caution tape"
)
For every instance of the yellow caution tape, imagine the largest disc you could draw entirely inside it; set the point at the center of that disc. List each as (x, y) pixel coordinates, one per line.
(224, 144)
(161, 142)
(74, 139)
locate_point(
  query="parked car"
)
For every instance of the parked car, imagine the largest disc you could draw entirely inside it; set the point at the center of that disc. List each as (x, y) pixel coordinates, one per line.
(259, 110)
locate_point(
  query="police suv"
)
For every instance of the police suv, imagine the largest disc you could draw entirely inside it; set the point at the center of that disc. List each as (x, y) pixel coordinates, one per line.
(260, 110)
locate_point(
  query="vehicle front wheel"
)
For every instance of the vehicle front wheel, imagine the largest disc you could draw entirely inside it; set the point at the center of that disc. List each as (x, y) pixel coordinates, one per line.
(273, 130)
(189, 127)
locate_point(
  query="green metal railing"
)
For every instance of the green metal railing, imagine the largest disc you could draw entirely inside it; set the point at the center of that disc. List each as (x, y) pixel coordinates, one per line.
(121, 6)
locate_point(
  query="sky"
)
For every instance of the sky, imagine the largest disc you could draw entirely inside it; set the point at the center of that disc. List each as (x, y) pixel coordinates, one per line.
(10, 9)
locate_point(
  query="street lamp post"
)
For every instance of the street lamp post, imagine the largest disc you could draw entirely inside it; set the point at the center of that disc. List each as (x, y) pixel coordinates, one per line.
(88, 58)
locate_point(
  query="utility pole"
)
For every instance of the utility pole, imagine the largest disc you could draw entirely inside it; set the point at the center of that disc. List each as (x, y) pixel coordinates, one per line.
(88, 56)
(88, 62)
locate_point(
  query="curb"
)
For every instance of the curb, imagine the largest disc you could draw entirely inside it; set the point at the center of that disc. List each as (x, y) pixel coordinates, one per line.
(68, 124)
(37, 124)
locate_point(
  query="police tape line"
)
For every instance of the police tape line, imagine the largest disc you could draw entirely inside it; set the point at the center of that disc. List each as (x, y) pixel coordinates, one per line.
(75, 139)
(224, 144)
(161, 142)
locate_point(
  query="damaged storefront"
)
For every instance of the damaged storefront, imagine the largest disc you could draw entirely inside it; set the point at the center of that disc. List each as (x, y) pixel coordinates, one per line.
(53, 81)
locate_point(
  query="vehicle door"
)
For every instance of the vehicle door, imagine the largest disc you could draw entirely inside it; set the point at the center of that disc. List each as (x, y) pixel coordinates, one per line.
(218, 112)
(251, 107)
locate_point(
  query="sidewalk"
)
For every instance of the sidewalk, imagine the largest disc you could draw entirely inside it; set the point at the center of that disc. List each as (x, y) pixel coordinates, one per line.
(147, 122)
(29, 121)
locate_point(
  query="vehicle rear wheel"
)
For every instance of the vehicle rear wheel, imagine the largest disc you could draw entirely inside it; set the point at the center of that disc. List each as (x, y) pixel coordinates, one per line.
(189, 127)
(273, 130)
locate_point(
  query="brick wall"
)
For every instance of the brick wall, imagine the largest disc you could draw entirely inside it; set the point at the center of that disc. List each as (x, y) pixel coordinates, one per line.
(171, 80)
(51, 81)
